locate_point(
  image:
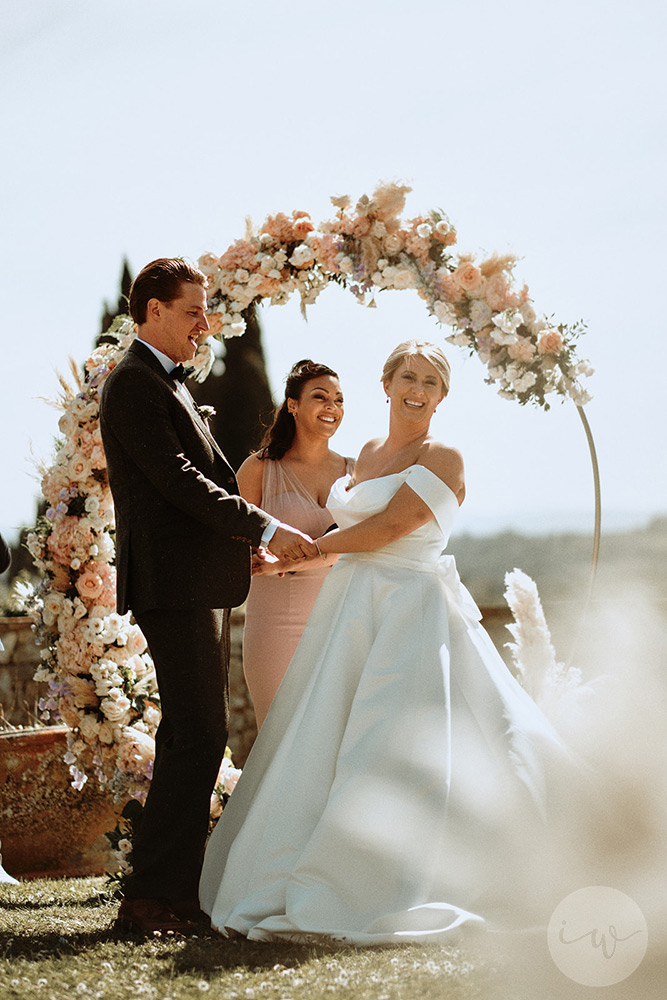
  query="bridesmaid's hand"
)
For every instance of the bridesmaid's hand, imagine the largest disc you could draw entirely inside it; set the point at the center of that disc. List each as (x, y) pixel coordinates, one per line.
(264, 563)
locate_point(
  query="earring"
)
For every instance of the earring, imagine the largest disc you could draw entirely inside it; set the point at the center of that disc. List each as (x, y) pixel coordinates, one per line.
(387, 399)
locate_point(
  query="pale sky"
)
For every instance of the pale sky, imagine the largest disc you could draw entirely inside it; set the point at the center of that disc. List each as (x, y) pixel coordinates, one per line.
(151, 128)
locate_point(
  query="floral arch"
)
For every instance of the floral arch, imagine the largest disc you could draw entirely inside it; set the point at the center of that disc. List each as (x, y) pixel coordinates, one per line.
(100, 675)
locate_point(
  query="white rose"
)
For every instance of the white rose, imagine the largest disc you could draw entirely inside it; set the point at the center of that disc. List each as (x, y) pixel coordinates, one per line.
(116, 709)
(346, 264)
(302, 256)
(84, 409)
(501, 337)
(424, 231)
(79, 467)
(444, 313)
(241, 275)
(92, 504)
(93, 629)
(524, 382)
(508, 321)
(460, 339)
(151, 717)
(109, 632)
(68, 424)
(80, 609)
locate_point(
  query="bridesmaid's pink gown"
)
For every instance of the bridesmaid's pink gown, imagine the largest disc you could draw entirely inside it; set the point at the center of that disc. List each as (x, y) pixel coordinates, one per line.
(278, 608)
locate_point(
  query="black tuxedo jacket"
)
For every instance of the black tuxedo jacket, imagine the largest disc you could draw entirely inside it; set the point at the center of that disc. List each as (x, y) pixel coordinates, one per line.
(183, 534)
(5, 555)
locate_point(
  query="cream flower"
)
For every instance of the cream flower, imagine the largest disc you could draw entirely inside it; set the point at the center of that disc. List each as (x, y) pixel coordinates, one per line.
(393, 244)
(116, 709)
(521, 350)
(445, 313)
(303, 256)
(79, 467)
(550, 342)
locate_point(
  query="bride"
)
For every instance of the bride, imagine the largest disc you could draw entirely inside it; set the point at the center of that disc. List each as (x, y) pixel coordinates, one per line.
(400, 778)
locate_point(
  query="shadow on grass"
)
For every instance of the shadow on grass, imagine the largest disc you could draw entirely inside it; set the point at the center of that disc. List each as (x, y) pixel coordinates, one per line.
(51, 944)
(199, 954)
(51, 902)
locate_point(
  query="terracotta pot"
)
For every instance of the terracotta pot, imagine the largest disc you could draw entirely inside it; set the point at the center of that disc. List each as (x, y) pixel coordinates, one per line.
(47, 828)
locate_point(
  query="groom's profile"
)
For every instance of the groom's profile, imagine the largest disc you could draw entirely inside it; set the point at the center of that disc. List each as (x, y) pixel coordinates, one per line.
(183, 543)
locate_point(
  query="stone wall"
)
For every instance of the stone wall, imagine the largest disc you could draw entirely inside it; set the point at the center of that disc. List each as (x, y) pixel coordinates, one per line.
(19, 660)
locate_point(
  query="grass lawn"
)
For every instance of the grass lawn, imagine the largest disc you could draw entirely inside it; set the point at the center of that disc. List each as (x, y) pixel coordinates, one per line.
(56, 941)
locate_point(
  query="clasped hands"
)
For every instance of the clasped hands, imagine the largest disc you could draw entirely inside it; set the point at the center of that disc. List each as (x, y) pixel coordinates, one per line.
(288, 545)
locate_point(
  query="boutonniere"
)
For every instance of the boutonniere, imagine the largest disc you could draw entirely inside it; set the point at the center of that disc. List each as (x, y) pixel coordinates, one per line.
(205, 412)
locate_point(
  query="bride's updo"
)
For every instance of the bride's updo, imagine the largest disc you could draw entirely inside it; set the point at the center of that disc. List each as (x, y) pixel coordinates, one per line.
(413, 348)
(279, 437)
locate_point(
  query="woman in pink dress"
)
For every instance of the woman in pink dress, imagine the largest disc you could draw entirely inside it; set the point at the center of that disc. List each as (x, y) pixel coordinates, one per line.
(290, 477)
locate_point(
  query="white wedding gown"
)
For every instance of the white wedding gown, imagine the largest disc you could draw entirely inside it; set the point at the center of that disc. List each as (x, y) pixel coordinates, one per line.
(400, 779)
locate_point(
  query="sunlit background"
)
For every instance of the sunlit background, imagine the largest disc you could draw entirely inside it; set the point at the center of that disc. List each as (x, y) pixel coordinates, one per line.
(154, 128)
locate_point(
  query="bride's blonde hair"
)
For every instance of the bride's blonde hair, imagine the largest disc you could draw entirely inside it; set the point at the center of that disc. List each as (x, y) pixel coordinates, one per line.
(422, 348)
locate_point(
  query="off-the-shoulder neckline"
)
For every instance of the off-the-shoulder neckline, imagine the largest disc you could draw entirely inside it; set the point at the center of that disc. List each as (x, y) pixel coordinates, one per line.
(391, 475)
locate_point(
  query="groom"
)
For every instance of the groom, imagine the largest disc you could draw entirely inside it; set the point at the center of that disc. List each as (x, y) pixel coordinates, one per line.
(183, 541)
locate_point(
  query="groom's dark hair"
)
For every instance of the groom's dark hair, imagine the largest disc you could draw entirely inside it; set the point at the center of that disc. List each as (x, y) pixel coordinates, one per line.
(161, 279)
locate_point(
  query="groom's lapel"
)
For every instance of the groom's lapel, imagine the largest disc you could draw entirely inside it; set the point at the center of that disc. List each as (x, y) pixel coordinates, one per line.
(201, 423)
(147, 356)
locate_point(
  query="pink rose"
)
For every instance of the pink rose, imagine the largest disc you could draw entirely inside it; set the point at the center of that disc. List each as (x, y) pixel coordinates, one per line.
(215, 323)
(90, 585)
(550, 342)
(468, 277)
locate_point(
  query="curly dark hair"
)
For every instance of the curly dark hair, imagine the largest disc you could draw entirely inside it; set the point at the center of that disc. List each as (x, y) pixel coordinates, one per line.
(279, 437)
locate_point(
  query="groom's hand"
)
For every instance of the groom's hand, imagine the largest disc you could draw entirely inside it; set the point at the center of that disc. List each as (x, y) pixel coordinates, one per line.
(288, 543)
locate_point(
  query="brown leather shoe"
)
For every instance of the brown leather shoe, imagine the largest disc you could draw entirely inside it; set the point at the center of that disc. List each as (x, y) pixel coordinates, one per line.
(148, 916)
(188, 909)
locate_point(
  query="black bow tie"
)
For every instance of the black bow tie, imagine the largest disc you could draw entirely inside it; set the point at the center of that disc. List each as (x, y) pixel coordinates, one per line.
(178, 373)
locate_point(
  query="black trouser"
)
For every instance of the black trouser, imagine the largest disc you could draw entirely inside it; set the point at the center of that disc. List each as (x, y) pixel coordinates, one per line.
(190, 650)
